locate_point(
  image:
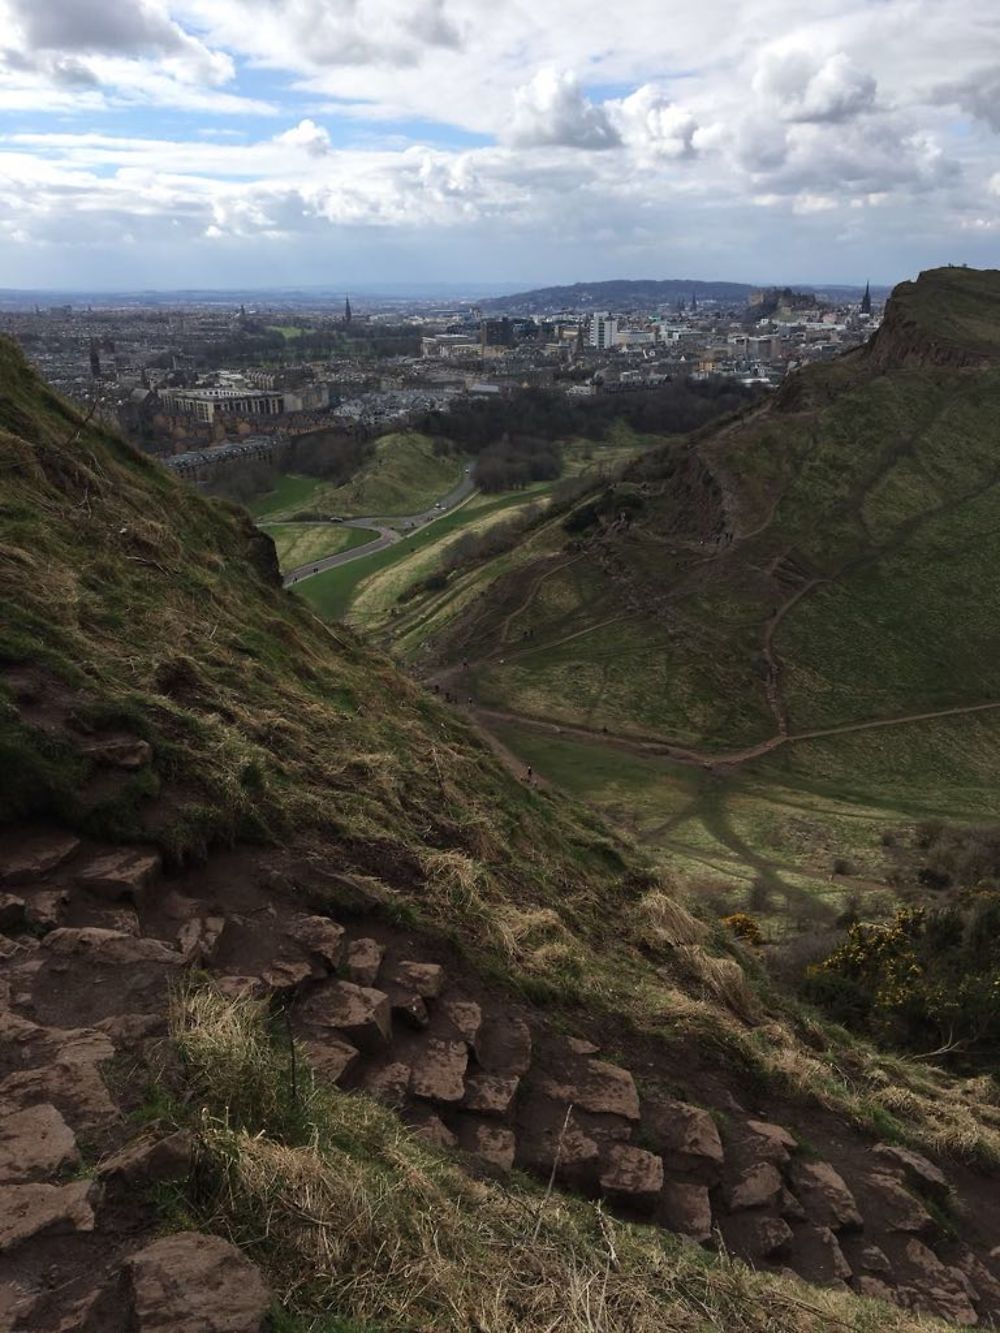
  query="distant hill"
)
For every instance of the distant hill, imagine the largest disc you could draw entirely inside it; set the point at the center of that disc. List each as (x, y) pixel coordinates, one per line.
(620, 294)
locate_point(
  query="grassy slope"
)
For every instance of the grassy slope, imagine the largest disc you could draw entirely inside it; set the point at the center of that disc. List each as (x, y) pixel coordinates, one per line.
(150, 608)
(299, 543)
(881, 489)
(291, 493)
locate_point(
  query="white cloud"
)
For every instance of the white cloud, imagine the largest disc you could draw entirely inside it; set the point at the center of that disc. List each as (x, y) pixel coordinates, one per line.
(307, 135)
(552, 110)
(803, 86)
(650, 122)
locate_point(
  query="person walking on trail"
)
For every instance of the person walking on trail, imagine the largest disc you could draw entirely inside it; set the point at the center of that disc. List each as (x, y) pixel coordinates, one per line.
(529, 776)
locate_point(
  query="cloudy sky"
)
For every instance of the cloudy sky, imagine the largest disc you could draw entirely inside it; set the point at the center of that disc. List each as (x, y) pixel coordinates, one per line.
(171, 143)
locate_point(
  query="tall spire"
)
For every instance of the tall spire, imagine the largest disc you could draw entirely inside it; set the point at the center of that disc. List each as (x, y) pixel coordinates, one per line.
(347, 310)
(694, 303)
(866, 300)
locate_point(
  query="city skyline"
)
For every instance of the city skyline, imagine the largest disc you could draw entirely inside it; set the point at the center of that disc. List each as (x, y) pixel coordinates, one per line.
(227, 144)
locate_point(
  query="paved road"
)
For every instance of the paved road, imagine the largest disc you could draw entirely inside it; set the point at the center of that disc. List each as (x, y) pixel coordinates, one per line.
(387, 527)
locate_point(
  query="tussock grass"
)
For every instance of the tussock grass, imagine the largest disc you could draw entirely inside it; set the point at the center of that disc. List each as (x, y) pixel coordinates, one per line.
(352, 1219)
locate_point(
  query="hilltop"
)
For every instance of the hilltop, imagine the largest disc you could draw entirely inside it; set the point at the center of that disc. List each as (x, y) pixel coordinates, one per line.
(294, 969)
(619, 294)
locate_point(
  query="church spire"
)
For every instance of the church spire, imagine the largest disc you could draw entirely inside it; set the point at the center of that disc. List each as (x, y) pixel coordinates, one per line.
(694, 303)
(866, 300)
(347, 310)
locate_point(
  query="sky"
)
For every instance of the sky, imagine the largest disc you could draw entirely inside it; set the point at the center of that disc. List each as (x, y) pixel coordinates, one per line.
(344, 143)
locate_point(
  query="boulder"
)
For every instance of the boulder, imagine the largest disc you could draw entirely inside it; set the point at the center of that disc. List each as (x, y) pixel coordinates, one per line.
(579, 1046)
(874, 1289)
(773, 1143)
(330, 1057)
(874, 1260)
(198, 937)
(602, 1088)
(686, 1208)
(440, 1075)
(494, 1144)
(565, 1146)
(114, 947)
(492, 1094)
(465, 1016)
(40, 1209)
(833, 1266)
(409, 1008)
(35, 1143)
(897, 1208)
(284, 975)
(685, 1131)
(364, 958)
(825, 1196)
(34, 856)
(632, 1175)
(789, 1206)
(432, 1130)
(43, 910)
(192, 1283)
(360, 1013)
(755, 1187)
(768, 1237)
(149, 1161)
(426, 979)
(75, 1087)
(503, 1045)
(11, 912)
(390, 1083)
(322, 938)
(919, 1173)
(121, 875)
(934, 1288)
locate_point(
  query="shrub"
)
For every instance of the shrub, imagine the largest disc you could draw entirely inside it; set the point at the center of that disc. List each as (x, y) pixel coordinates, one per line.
(744, 927)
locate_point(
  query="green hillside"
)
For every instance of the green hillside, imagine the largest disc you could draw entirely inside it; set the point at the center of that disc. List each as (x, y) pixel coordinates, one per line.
(299, 543)
(295, 960)
(800, 600)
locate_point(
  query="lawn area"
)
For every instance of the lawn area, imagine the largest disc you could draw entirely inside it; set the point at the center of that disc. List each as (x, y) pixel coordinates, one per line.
(403, 476)
(291, 494)
(299, 543)
(331, 594)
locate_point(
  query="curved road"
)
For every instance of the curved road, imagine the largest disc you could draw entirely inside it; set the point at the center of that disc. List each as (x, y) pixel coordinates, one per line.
(387, 528)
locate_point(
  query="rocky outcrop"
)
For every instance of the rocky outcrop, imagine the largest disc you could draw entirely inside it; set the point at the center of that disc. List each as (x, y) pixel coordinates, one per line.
(192, 1283)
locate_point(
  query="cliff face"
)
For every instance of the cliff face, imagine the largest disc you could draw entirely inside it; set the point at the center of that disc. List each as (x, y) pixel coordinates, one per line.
(947, 319)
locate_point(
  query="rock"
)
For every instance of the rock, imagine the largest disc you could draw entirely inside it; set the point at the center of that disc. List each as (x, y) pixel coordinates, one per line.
(285, 975)
(632, 1175)
(119, 751)
(874, 1260)
(934, 1288)
(825, 1196)
(602, 1088)
(44, 911)
(789, 1206)
(35, 1143)
(330, 1057)
(834, 1264)
(685, 1130)
(364, 958)
(503, 1045)
(768, 1237)
(75, 1087)
(465, 1017)
(434, 1131)
(191, 1283)
(755, 1187)
(389, 1084)
(915, 1169)
(874, 1289)
(578, 1046)
(121, 875)
(686, 1208)
(898, 1209)
(409, 1007)
(11, 912)
(490, 1093)
(37, 1209)
(36, 855)
(494, 1144)
(360, 1013)
(322, 938)
(197, 938)
(440, 1076)
(427, 979)
(241, 988)
(773, 1143)
(148, 1161)
(108, 946)
(981, 1277)
(565, 1146)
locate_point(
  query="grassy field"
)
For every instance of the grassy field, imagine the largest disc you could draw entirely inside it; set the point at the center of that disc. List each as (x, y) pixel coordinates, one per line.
(405, 476)
(300, 543)
(291, 493)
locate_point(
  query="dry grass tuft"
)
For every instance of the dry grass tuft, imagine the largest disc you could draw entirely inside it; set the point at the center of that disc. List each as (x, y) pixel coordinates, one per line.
(658, 922)
(720, 979)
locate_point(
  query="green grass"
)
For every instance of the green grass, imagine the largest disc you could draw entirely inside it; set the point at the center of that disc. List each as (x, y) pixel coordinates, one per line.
(291, 493)
(301, 543)
(404, 476)
(331, 594)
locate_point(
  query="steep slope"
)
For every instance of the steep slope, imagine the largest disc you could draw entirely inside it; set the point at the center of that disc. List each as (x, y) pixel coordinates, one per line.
(800, 600)
(255, 881)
